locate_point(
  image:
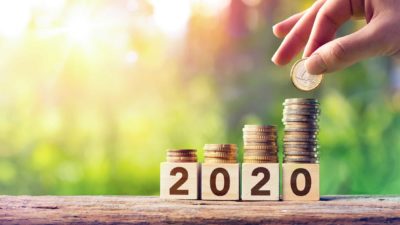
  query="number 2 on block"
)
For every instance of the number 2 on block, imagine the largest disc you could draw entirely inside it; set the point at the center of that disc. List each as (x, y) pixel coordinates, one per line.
(264, 180)
(174, 190)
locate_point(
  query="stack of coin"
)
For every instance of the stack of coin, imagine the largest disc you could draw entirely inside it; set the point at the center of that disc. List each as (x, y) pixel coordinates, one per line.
(181, 155)
(300, 117)
(260, 144)
(220, 153)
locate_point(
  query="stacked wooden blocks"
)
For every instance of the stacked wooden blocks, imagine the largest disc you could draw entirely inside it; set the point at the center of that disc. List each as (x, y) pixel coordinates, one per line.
(220, 176)
(221, 181)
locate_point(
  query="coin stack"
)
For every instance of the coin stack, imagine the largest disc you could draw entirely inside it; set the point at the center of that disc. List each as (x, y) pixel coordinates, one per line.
(260, 144)
(300, 117)
(220, 153)
(181, 155)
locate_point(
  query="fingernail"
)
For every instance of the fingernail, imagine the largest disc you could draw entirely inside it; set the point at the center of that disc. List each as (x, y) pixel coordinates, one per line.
(315, 65)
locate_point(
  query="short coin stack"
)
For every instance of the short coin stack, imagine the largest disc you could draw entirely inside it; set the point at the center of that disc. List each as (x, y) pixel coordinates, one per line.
(260, 144)
(220, 153)
(181, 155)
(300, 117)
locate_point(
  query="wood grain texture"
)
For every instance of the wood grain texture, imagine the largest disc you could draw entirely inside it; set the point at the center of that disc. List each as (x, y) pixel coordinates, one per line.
(153, 210)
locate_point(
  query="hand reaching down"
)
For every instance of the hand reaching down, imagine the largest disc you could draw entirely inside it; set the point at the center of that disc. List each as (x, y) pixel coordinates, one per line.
(314, 31)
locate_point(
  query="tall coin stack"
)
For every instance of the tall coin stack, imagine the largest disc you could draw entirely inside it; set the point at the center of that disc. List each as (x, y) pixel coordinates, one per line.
(300, 117)
(220, 153)
(181, 155)
(260, 144)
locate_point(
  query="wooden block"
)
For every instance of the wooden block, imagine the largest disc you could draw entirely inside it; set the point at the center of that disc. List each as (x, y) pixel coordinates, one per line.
(300, 181)
(179, 180)
(220, 181)
(260, 181)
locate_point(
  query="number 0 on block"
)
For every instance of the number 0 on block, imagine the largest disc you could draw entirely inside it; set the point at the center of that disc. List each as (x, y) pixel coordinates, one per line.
(220, 181)
(300, 181)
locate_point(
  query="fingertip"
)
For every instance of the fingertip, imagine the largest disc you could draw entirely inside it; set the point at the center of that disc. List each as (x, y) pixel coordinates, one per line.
(277, 31)
(277, 60)
(315, 64)
(273, 59)
(306, 53)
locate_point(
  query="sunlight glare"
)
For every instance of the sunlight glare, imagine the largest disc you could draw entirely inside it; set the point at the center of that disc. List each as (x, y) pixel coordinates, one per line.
(79, 27)
(14, 17)
(211, 7)
(131, 57)
(171, 16)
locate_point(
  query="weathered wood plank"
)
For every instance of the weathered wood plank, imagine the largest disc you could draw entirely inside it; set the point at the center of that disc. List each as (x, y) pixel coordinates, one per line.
(144, 210)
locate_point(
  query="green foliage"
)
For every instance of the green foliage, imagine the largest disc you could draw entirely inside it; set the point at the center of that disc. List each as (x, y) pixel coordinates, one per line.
(87, 123)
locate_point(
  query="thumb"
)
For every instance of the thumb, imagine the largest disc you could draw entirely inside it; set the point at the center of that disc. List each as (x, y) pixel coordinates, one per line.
(345, 51)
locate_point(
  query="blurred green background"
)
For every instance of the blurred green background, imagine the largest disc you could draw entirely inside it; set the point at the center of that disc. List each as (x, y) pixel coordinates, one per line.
(94, 92)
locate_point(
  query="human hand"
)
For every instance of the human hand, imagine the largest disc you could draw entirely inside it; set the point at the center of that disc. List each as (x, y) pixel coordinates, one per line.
(315, 28)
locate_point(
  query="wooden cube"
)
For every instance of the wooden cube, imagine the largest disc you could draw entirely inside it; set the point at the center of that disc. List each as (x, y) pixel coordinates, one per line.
(260, 181)
(220, 181)
(300, 181)
(179, 180)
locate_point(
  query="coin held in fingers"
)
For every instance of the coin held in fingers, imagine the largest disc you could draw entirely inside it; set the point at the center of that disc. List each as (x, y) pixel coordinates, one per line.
(302, 79)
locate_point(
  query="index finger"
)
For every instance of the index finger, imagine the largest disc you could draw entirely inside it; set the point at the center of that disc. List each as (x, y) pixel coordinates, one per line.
(329, 18)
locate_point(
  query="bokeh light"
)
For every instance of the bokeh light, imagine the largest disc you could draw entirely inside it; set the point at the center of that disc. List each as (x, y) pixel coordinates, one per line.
(94, 92)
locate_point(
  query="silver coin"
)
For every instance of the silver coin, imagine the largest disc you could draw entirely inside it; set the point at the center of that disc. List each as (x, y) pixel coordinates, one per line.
(302, 79)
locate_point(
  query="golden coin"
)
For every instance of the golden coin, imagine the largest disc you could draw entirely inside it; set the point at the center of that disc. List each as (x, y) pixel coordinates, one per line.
(266, 127)
(181, 156)
(256, 136)
(301, 101)
(261, 146)
(259, 161)
(260, 153)
(303, 106)
(219, 155)
(312, 143)
(260, 142)
(301, 129)
(262, 133)
(186, 154)
(220, 150)
(269, 151)
(300, 135)
(307, 154)
(220, 147)
(215, 160)
(265, 157)
(261, 128)
(181, 159)
(287, 139)
(181, 150)
(301, 125)
(314, 161)
(305, 112)
(302, 79)
(300, 149)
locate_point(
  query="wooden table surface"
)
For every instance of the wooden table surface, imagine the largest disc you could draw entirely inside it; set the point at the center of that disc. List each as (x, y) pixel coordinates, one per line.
(153, 210)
